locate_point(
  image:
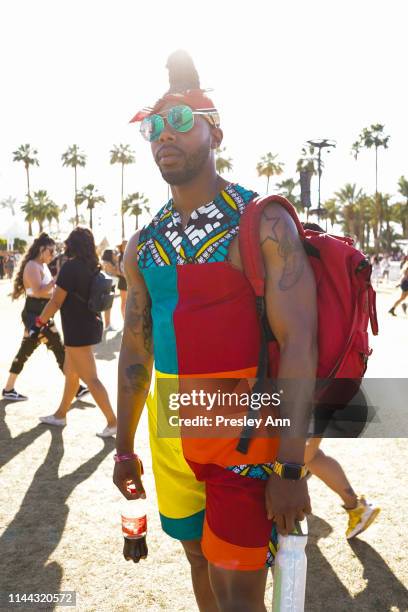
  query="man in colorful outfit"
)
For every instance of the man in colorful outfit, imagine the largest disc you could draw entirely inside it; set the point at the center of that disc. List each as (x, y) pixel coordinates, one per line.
(192, 311)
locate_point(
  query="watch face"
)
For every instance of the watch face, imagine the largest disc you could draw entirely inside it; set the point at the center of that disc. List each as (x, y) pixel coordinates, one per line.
(292, 472)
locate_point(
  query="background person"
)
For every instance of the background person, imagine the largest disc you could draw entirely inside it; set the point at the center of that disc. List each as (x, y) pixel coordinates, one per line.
(34, 279)
(122, 284)
(82, 328)
(404, 292)
(109, 264)
(9, 265)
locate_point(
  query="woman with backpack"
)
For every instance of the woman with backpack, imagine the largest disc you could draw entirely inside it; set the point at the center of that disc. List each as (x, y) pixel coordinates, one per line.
(35, 281)
(81, 326)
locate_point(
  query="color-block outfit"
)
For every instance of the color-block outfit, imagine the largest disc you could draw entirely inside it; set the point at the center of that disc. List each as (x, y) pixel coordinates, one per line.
(205, 326)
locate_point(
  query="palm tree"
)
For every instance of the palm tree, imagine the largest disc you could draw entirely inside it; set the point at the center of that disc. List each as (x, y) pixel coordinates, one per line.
(123, 155)
(44, 208)
(73, 158)
(368, 138)
(348, 197)
(134, 205)
(267, 166)
(307, 159)
(399, 214)
(29, 208)
(222, 164)
(372, 137)
(9, 203)
(89, 195)
(286, 189)
(28, 156)
(332, 210)
(73, 221)
(403, 188)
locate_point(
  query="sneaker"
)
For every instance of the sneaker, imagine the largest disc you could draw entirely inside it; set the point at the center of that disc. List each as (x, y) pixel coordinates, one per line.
(404, 308)
(110, 328)
(391, 312)
(13, 395)
(83, 390)
(108, 432)
(52, 420)
(360, 517)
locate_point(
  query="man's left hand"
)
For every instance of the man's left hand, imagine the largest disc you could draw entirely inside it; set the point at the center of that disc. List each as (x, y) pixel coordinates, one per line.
(287, 501)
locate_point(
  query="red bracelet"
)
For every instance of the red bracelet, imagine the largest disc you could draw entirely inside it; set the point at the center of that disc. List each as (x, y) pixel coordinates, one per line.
(39, 322)
(118, 458)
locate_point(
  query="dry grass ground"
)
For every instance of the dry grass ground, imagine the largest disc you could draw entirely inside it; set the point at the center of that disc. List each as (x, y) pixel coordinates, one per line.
(59, 513)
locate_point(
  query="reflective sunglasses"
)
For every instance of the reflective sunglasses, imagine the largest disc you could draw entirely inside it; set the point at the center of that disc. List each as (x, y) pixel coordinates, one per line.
(180, 118)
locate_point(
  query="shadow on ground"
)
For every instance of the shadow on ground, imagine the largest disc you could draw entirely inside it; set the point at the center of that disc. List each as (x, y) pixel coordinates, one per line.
(11, 447)
(27, 544)
(324, 590)
(108, 349)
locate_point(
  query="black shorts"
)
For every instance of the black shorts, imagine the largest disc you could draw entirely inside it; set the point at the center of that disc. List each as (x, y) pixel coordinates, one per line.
(122, 284)
(404, 285)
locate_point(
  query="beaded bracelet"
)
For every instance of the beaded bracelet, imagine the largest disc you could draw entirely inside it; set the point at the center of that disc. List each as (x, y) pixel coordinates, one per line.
(118, 458)
(125, 457)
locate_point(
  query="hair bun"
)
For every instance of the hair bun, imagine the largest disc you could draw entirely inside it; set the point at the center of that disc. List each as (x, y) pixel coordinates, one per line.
(182, 72)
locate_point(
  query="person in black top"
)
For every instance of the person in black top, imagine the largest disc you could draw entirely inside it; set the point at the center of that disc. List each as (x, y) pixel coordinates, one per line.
(122, 284)
(34, 280)
(82, 328)
(109, 266)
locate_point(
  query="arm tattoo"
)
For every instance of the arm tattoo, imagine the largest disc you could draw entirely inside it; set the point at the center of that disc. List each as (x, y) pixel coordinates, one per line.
(271, 235)
(137, 378)
(133, 314)
(147, 327)
(290, 249)
(138, 321)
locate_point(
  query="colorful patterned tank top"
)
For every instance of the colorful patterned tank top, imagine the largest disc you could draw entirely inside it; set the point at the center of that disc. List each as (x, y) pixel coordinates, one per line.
(203, 309)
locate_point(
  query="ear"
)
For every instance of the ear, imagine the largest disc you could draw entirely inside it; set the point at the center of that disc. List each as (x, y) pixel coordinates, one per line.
(216, 137)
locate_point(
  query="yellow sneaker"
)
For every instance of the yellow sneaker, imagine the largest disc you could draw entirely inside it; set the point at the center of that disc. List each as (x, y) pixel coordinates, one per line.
(360, 517)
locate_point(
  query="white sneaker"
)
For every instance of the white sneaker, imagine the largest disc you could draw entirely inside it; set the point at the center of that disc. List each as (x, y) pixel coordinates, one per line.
(51, 420)
(108, 432)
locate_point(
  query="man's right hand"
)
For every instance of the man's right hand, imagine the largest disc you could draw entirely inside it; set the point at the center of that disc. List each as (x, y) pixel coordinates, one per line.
(127, 475)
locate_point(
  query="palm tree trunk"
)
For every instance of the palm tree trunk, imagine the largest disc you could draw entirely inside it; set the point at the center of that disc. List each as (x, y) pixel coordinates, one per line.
(377, 203)
(76, 196)
(121, 206)
(267, 184)
(28, 180)
(90, 218)
(30, 225)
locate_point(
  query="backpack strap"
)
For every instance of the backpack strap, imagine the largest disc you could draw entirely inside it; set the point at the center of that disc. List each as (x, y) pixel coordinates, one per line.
(250, 250)
(254, 269)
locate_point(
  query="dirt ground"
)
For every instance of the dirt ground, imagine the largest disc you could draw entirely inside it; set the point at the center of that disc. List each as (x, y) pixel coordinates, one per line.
(59, 512)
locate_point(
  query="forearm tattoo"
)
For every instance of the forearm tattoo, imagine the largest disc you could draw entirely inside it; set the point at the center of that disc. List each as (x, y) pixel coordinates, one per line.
(289, 249)
(137, 379)
(138, 320)
(147, 327)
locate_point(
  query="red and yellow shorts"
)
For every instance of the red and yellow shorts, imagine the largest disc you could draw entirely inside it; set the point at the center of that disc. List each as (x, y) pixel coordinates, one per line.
(224, 507)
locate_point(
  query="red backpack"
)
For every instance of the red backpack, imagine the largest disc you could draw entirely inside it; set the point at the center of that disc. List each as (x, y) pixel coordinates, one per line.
(345, 302)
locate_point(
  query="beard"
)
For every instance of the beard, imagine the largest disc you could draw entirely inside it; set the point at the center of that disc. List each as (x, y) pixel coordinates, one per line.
(193, 164)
